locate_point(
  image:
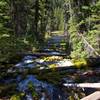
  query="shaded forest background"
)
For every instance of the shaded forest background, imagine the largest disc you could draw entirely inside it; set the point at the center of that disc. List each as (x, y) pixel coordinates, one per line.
(25, 24)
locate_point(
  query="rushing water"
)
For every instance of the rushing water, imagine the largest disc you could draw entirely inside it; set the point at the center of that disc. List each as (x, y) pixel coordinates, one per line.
(45, 90)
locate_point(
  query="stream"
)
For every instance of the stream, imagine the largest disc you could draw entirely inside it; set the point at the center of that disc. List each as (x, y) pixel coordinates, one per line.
(45, 90)
(34, 88)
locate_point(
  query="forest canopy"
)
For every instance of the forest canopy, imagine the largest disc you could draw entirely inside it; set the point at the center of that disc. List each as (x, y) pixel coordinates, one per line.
(25, 23)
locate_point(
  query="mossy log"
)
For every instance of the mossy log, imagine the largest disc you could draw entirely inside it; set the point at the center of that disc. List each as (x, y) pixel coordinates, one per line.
(37, 71)
(92, 63)
(42, 54)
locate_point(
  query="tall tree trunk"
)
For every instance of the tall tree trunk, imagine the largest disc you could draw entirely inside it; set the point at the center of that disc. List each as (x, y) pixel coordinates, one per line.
(36, 20)
(19, 17)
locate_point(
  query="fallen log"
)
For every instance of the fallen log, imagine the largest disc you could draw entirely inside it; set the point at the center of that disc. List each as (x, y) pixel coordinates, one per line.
(61, 71)
(17, 71)
(93, 96)
(83, 85)
(43, 68)
(88, 45)
(43, 54)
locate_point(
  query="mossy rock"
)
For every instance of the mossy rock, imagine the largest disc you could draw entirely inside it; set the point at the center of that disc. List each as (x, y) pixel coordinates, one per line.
(80, 63)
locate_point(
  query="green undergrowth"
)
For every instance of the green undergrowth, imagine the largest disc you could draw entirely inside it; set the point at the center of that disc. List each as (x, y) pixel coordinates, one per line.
(77, 43)
(94, 42)
(10, 46)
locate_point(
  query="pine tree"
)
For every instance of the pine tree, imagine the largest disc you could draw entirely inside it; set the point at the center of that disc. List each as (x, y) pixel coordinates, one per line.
(19, 16)
(5, 25)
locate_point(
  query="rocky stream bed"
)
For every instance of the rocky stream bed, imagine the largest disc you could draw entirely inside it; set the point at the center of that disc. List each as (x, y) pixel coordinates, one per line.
(41, 76)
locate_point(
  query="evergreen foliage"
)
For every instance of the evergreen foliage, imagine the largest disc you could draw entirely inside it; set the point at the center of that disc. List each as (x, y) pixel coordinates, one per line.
(31, 19)
(84, 19)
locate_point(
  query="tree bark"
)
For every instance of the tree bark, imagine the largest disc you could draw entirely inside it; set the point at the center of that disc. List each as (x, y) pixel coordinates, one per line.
(93, 96)
(84, 85)
(19, 16)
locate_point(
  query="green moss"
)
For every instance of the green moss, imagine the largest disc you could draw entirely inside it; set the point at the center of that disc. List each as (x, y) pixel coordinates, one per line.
(15, 97)
(80, 63)
(32, 89)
